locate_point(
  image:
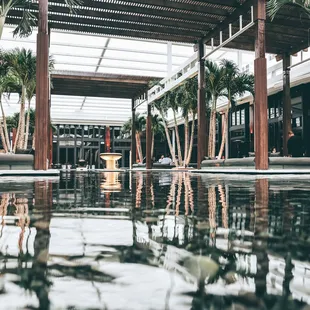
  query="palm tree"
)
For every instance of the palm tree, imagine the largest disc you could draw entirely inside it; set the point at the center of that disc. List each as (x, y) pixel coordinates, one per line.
(31, 89)
(173, 104)
(158, 130)
(215, 75)
(162, 107)
(273, 6)
(28, 20)
(140, 123)
(236, 84)
(187, 95)
(22, 64)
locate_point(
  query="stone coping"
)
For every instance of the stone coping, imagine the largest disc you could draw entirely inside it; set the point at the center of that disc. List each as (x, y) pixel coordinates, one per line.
(274, 162)
(251, 171)
(50, 172)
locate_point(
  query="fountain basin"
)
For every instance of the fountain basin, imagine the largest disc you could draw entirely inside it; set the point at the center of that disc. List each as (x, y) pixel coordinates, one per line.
(110, 159)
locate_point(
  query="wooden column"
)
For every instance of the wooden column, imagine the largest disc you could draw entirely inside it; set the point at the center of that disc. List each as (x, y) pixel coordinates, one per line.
(201, 143)
(107, 139)
(286, 99)
(260, 105)
(42, 90)
(133, 133)
(149, 138)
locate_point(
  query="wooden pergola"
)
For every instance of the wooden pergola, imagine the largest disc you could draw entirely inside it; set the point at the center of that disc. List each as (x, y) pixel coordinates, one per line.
(240, 24)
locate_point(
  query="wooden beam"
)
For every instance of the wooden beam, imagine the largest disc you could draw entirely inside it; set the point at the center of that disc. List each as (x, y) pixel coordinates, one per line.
(287, 106)
(149, 137)
(133, 133)
(201, 144)
(116, 79)
(260, 105)
(42, 91)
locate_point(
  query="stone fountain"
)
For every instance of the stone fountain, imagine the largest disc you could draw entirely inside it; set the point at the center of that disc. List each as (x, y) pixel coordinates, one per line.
(111, 159)
(111, 182)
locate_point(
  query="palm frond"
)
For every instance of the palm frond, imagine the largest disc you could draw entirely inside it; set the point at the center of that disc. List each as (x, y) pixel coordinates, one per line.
(274, 6)
(27, 22)
(72, 4)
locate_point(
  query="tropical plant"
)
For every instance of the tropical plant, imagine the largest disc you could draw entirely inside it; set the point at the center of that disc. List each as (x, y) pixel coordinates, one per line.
(215, 75)
(273, 6)
(236, 84)
(28, 20)
(158, 130)
(174, 105)
(31, 89)
(140, 123)
(162, 107)
(8, 84)
(187, 98)
(22, 64)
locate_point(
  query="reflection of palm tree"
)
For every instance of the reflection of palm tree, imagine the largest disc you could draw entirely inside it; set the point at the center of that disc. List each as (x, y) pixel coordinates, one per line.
(178, 200)
(21, 205)
(4, 209)
(139, 189)
(188, 184)
(171, 194)
(212, 207)
(224, 206)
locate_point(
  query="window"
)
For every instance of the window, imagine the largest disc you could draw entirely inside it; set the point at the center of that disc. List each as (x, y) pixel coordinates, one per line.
(238, 118)
(272, 113)
(242, 116)
(298, 123)
(233, 119)
(277, 112)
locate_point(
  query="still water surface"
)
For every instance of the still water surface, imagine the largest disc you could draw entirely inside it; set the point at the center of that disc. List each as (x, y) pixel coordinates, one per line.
(154, 241)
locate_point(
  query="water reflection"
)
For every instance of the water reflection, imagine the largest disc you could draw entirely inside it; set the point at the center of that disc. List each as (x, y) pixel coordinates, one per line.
(181, 241)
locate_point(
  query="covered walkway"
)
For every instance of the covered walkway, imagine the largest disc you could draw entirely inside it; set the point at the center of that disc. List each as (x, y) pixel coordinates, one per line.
(217, 23)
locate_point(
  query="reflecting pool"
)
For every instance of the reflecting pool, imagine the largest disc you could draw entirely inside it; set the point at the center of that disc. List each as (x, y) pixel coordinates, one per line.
(164, 240)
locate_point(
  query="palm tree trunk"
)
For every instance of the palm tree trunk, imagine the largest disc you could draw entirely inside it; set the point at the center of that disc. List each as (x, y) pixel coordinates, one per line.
(169, 139)
(27, 126)
(33, 140)
(213, 133)
(189, 156)
(152, 147)
(138, 141)
(178, 139)
(224, 133)
(21, 138)
(186, 140)
(210, 146)
(5, 138)
(2, 22)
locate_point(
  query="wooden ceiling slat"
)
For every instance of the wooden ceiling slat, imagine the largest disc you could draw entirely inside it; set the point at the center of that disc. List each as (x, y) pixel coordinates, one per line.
(186, 21)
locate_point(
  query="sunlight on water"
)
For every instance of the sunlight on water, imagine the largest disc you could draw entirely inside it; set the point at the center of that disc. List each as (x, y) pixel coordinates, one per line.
(161, 240)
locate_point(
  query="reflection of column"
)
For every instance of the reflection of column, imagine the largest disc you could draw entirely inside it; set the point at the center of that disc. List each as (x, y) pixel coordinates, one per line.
(42, 218)
(107, 139)
(261, 234)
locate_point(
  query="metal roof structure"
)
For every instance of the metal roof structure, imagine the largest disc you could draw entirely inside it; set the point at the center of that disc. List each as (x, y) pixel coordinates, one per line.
(186, 21)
